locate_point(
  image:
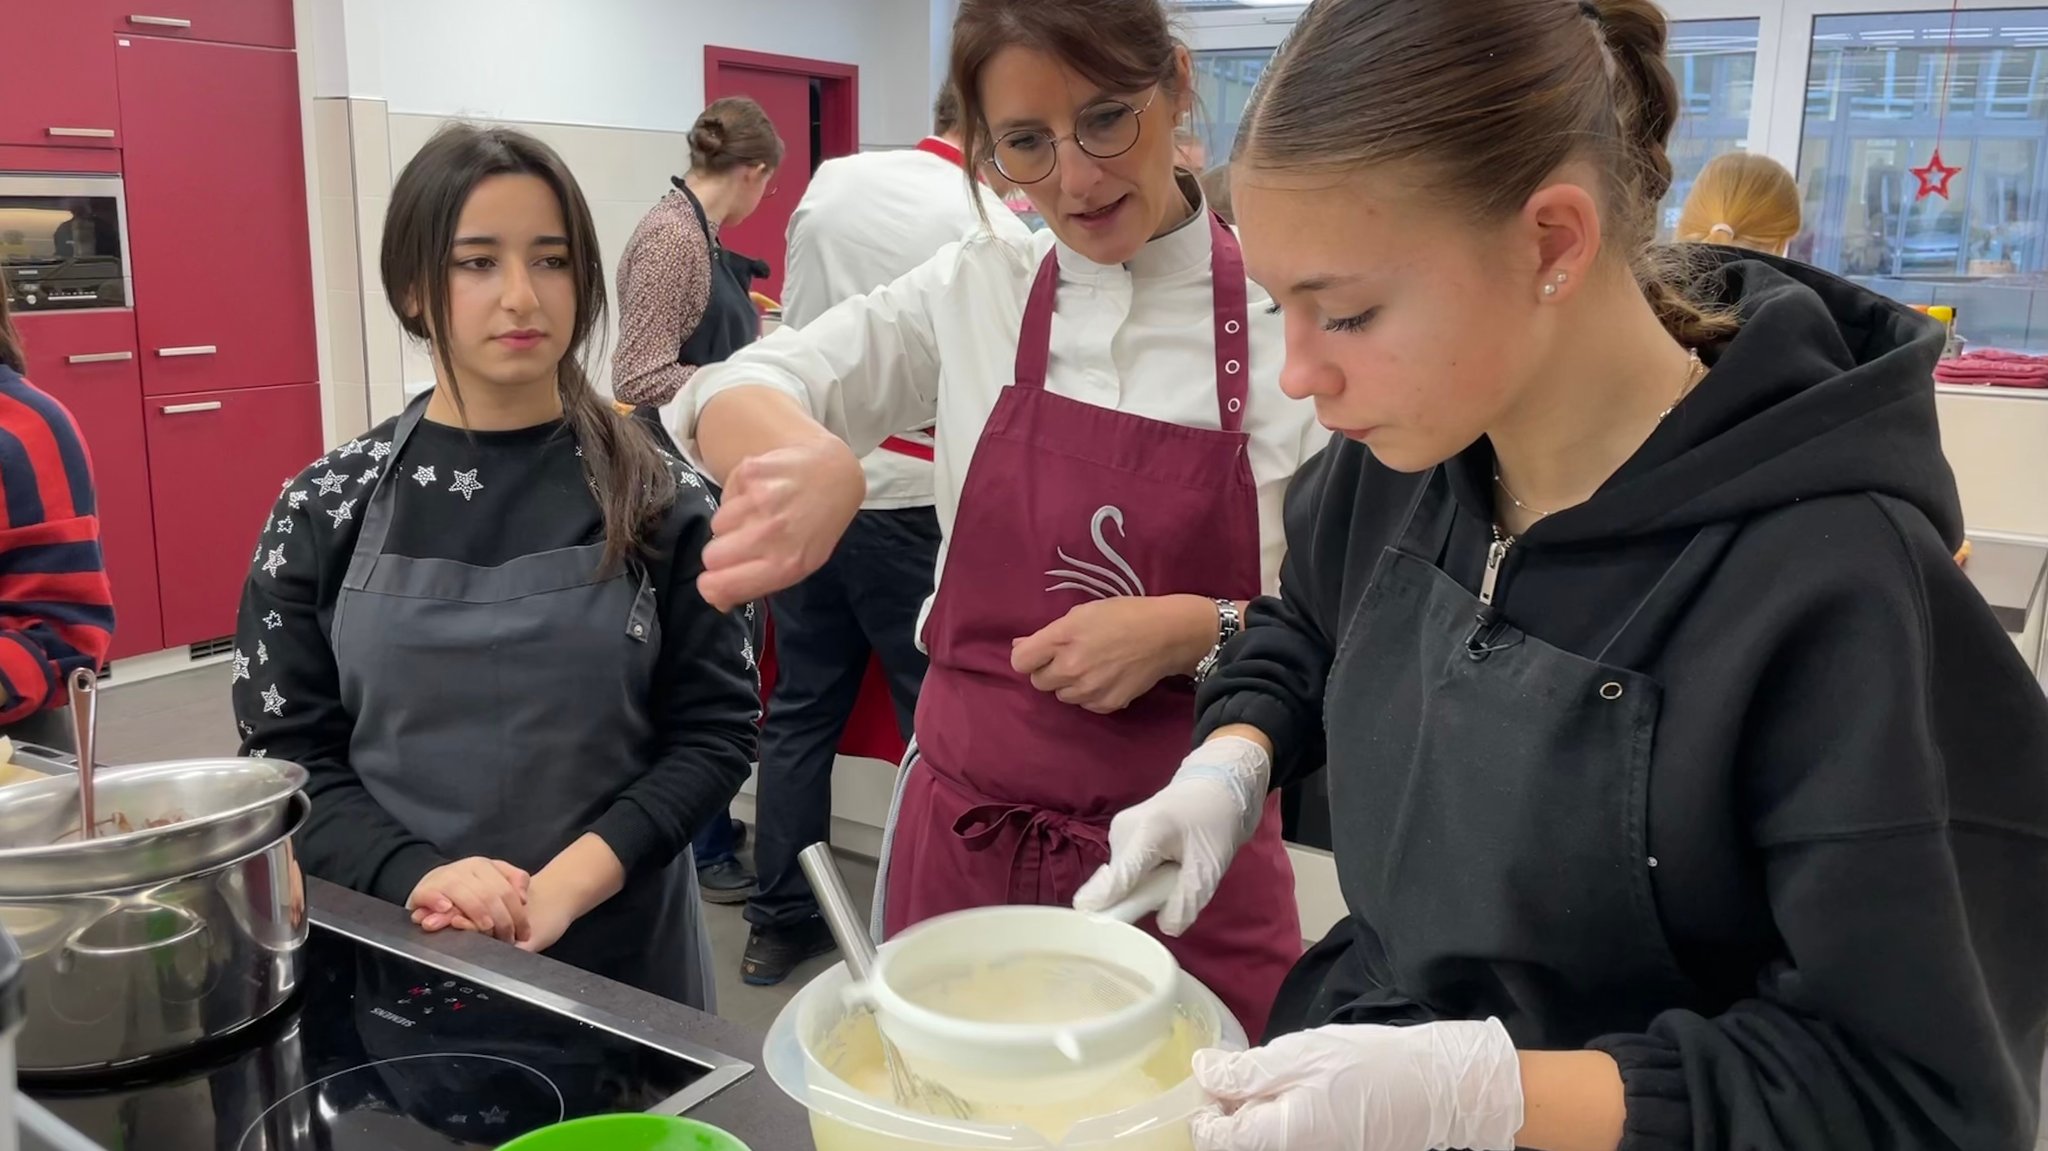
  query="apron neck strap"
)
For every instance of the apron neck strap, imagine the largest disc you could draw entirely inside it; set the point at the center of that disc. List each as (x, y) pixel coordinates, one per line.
(377, 509)
(1228, 314)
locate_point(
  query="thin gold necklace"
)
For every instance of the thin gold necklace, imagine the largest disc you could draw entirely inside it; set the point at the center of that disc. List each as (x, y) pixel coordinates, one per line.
(1694, 370)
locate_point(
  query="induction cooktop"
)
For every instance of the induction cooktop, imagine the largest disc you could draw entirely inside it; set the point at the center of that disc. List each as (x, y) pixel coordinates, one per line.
(384, 1051)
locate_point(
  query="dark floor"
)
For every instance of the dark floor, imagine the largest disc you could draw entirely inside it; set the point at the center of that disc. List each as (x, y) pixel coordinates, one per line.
(186, 716)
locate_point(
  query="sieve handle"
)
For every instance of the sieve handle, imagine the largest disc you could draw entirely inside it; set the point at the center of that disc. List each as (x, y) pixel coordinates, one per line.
(835, 903)
(1149, 896)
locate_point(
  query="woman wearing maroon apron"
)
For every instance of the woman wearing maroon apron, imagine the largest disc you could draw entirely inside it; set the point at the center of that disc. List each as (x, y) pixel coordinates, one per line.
(1111, 451)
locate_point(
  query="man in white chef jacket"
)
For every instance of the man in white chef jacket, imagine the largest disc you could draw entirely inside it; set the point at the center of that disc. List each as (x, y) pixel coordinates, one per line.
(865, 220)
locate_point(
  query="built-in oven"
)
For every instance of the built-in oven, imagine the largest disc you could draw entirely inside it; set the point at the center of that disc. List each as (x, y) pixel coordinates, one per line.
(63, 242)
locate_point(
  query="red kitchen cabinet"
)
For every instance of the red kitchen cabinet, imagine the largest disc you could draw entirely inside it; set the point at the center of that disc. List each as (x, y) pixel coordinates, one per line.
(218, 232)
(87, 361)
(59, 77)
(216, 463)
(264, 23)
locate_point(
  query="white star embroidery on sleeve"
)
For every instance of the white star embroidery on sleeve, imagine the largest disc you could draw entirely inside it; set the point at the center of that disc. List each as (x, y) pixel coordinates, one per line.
(258, 753)
(329, 484)
(351, 448)
(344, 513)
(423, 475)
(298, 498)
(747, 652)
(465, 482)
(273, 621)
(273, 701)
(380, 449)
(258, 557)
(284, 527)
(367, 476)
(262, 654)
(241, 663)
(286, 485)
(690, 477)
(274, 561)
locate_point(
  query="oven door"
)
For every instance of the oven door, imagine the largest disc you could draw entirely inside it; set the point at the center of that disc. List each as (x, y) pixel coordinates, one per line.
(63, 242)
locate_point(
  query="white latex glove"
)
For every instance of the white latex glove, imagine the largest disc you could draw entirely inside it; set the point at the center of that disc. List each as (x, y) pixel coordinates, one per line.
(1209, 810)
(1422, 1088)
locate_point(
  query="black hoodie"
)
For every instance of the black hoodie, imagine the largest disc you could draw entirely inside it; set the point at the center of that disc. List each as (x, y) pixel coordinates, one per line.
(1849, 783)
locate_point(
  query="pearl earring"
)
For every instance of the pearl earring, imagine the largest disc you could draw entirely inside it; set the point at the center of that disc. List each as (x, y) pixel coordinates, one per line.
(1551, 289)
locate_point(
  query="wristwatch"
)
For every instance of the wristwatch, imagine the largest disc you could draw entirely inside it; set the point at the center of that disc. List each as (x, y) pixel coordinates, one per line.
(1229, 621)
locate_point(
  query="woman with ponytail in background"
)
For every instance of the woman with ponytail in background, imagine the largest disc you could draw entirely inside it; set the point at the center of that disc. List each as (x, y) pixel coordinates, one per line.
(477, 625)
(1742, 200)
(1685, 793)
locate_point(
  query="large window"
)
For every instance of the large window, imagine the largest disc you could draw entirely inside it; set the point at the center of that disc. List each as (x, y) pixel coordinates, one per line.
(1881, 91)
(1223, 82)
(1714, 62)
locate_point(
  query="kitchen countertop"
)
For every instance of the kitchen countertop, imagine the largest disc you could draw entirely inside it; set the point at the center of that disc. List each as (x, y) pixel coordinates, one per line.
(750, 1107)
(754, 1109)
(2010, 576)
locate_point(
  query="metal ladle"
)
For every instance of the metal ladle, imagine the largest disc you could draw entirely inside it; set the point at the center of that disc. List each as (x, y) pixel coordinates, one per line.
(84, 687)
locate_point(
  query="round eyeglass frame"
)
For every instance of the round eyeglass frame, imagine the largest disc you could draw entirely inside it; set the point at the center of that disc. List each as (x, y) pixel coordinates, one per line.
(1137, 113)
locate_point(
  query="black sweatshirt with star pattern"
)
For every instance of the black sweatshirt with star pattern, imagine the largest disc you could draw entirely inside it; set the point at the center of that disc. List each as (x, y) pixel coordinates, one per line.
(481, 498)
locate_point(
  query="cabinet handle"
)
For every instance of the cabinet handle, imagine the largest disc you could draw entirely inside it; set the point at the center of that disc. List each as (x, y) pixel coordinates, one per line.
(161, 21)
(82, 133)
(100, 358)
(194, 350)
(185, 409)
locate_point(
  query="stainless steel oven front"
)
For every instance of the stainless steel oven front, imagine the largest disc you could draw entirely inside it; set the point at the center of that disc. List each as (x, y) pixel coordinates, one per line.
(63, 242)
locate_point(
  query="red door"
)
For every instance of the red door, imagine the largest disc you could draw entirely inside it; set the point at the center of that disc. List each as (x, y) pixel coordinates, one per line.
(217, 223)
(782, 85)
(267, 23)
(217, 461)
(60, 78)
(87, 361)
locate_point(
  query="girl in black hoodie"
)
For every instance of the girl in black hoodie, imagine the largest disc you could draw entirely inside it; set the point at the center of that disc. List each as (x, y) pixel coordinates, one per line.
(1686, 794)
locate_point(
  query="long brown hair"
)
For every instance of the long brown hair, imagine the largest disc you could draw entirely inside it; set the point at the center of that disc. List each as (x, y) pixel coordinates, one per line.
(1743, 199)
(10, 340)
(1119, 45)
(633, 485)
(1485, 99)
(734, 132)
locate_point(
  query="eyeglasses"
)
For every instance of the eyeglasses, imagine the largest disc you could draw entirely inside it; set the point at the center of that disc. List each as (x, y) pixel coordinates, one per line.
(1105, 130)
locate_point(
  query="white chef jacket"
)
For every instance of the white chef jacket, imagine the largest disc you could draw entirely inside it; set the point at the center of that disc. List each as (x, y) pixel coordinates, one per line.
(865, 220)
(941, 344)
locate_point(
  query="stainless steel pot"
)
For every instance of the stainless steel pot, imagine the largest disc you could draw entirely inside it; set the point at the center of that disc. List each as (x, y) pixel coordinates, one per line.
(220, 808)
(124, 974)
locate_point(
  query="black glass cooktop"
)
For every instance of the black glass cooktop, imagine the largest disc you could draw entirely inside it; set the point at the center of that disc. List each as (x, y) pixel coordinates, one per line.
(380, 1053)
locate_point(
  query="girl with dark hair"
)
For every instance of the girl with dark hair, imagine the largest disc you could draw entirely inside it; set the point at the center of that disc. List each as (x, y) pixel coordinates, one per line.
(477, 625)
(1686, 795)
(1111, 452)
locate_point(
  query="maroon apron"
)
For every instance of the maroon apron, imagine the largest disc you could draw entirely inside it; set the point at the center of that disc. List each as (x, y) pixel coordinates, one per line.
(1011, 794)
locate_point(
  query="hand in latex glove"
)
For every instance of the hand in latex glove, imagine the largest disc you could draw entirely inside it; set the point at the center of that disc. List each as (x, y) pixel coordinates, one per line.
(1200, 819)
(1420, 1088)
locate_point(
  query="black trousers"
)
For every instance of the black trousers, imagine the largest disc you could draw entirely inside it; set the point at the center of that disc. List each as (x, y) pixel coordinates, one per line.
(864, 600)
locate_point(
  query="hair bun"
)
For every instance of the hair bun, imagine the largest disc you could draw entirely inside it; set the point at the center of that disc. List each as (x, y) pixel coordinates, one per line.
(708, 137)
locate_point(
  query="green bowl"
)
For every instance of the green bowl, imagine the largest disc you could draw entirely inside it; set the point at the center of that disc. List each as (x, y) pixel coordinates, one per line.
(626, 1133)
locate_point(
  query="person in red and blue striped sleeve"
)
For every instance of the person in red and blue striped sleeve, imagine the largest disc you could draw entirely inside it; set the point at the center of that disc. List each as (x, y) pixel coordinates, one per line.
(56, 607)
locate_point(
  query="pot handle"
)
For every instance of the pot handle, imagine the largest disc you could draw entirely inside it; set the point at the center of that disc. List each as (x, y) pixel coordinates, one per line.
(194, 925)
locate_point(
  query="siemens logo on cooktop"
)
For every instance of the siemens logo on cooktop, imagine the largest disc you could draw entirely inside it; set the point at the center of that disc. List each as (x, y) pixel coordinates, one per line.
(393, 1016)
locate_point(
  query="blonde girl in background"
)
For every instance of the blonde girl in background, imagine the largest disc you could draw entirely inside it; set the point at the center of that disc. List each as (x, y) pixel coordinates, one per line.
(1742, 200)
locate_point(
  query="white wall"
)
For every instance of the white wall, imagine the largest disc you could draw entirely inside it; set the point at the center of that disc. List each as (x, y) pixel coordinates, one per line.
(620, 63)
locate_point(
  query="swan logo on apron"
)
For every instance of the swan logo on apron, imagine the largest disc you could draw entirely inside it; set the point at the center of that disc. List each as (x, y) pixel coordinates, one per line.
(1097, 580)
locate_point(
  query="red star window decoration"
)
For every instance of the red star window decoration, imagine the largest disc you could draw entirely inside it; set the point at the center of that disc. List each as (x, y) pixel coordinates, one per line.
(1934, 178)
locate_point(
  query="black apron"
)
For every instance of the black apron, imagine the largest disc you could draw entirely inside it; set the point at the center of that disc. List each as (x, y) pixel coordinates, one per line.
(730, 321)
(1489, 794)
(499, 710)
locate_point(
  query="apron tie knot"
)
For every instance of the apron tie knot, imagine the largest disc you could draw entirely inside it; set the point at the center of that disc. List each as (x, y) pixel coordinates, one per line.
(1051, 853)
